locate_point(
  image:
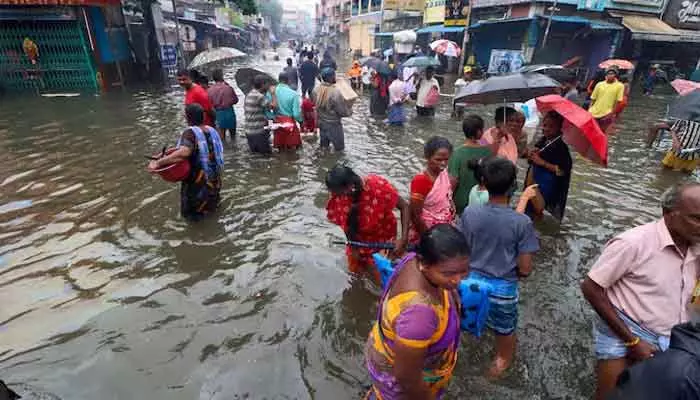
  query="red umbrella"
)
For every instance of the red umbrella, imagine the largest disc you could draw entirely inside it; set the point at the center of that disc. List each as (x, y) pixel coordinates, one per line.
(580, 130)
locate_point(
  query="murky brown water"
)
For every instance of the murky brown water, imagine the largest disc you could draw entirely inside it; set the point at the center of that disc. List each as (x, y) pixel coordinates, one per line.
(106, 294)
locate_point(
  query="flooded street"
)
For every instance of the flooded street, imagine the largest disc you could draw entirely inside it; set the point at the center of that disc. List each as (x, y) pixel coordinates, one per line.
(106, 293)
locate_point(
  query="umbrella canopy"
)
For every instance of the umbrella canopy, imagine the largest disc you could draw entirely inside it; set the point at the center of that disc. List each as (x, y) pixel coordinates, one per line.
(446, 47)
(215, 55)
(245, 76)
(684, 87)
(421, 62)
(686, 107)
(580, 130)
(513, 88)
(556, 72)
(377, 64)
(616, 62)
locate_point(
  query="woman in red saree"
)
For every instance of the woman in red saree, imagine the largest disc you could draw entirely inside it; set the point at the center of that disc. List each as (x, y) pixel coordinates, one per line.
(364, 208)
(431, 190)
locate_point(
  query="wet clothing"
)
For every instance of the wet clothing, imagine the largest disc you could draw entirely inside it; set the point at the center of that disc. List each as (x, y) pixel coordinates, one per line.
(379, 99)
(293, 76)
(438, 207)
(646, 277)
(478, 197)
(508, 147)
(688, 133)
(377, 223)
(672, 375)
(609, 346)
(397, 95)
(308, 112)
(605, 97)
(553, 186)
(197, 94)
(308, 71)
(327, 62)
(223, 97)
(288, 111)
(256, 121)
(497, 235)
(503, 303)
(426, 93)
(331, 108)
(458, 168)
(200, 192)
(413, 319)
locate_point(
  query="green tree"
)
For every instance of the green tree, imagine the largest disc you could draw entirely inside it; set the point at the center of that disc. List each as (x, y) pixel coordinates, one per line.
(247, 7)
(272, 9)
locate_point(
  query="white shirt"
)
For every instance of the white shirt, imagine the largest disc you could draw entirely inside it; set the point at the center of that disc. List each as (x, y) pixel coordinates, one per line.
(397, 92)
(366, 75)
(424, 89)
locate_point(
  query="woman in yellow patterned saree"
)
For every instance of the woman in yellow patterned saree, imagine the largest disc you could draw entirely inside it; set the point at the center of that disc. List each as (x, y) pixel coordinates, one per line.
(412, 348)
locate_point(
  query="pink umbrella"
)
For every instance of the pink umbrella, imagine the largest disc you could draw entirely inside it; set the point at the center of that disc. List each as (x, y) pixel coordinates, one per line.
(684, 86)
(446, 47)
(616, 62)
(580, 130)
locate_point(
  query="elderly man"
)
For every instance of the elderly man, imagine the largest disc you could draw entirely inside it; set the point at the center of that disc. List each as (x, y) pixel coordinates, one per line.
(287, 107)
(672, 375)
(331, 107)
(641, 284)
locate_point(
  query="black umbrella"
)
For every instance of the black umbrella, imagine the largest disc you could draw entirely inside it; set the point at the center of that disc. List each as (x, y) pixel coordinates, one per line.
(513, 88)
(556, 72)
(377, 64)
(245, 77)
(686, 107)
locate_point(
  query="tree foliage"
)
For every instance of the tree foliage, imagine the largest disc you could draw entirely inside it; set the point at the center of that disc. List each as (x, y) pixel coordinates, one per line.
(247, 7)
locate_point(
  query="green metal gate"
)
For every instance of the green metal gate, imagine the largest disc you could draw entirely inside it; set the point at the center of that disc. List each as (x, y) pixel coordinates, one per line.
(63, 62)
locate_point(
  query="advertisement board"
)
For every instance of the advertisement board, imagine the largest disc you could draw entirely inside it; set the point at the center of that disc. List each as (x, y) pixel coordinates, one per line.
(505, 61)
(434, 12)
(457, 12)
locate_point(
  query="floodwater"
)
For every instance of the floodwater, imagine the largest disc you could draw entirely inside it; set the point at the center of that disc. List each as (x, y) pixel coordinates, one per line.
(105, 293)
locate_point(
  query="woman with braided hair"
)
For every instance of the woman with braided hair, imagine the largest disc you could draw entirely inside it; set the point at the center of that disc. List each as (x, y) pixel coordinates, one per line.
(364, 208)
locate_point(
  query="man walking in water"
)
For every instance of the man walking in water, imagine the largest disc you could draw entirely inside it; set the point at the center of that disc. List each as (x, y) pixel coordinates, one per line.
(287, 107)
(255, 120)
(196, 94)
(293, 75)
(331, 107)
(641, 285)
(308, 71)
(223, 97)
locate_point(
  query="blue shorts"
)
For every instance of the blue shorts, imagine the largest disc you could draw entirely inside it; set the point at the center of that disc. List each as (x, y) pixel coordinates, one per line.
(503, 307)
(608, 346)
(226, 118)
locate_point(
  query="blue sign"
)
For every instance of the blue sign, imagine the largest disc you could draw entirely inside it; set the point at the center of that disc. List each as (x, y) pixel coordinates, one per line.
(168, 55)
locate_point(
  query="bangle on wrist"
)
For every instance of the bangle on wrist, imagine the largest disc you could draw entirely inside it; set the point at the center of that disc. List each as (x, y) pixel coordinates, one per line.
(633, 343)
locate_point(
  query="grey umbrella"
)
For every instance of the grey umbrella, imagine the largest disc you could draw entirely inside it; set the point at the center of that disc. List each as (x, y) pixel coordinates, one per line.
(686, 107)
(513, 88)
(556, 72)
(421, 62)
(245, 77)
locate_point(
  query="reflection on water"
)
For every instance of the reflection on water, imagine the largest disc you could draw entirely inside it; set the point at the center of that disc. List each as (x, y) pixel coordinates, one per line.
(105, 292)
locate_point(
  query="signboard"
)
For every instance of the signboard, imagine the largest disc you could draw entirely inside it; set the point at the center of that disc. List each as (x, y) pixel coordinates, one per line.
(505, 61)
(168, 55)
(643, 3)
(60, 2)
(404, 5)
(434, 12)
(456, 12)
(189, 46)
(684, 14)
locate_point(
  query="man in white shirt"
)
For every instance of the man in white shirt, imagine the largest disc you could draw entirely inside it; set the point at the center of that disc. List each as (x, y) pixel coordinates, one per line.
(428, 93)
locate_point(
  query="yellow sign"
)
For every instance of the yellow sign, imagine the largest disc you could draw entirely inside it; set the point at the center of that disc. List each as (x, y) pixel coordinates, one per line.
(404, 5)
(457, 12)
(434, 12)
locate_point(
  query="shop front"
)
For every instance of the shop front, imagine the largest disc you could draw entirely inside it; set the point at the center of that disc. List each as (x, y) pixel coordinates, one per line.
(49, 46)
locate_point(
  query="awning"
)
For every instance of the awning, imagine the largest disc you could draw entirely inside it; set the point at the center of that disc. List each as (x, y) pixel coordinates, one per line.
(689, 35)
(498, 21)
(594, 24)
(440, 28)
(383, 34)
(648, 28)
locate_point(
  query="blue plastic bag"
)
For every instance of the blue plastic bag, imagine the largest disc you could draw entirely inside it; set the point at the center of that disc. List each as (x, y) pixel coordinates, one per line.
(473, 292)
